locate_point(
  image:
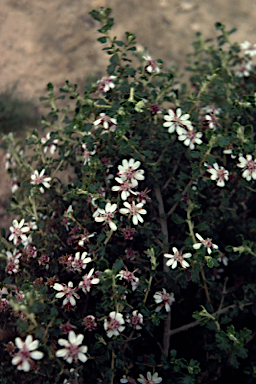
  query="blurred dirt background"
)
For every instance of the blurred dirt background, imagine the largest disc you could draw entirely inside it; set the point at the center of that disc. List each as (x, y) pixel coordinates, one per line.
(45, 41)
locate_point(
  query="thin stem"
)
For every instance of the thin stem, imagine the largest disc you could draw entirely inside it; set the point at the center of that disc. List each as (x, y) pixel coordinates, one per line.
(148, 289)
(33, 203)
(164, 228)
(191, 230)
(224, 291)
(206, 288)
(202, 89)
(57, 169)
(165, 89)
(170, 212)
(186, 327)
(112, 366)
(45, 338)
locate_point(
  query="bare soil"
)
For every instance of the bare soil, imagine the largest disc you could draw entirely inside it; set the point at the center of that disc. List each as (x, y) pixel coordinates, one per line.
(45, 41)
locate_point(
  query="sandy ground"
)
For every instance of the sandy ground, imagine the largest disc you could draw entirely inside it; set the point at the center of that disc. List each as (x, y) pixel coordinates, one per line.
(45, 41)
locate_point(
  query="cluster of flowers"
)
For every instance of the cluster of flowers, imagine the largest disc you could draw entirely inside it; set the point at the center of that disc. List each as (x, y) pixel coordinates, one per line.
(69, 292)
(183, 126)
(127, 179)
(150, 379)
(128, 176)
(72, 351)
(114, 325)
(19, 235)
(220, 174)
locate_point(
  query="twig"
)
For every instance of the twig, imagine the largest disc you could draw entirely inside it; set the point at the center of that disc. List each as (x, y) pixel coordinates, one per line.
(112, 367)
(186, 327)
(177, 202)
(191, 231)
(164, 228)
(224, 291)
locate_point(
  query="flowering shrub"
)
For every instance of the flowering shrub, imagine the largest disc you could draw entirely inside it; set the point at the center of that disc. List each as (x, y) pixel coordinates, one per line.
(132, 256)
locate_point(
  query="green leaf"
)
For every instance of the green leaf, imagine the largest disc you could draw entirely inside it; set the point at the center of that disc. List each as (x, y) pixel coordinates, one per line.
(119, 43)
(195, 272)
(177, 219)
(188, 380)
(102, 40)
(223, 141)
(101, 237)
(54, 312)
(102, 264)
(118, 265)
(39, 333)
(202, 226)
(114, 59)
(248, 130)
(195, 154)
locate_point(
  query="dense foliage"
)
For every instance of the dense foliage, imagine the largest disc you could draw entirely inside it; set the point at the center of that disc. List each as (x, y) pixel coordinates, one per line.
(132, 255)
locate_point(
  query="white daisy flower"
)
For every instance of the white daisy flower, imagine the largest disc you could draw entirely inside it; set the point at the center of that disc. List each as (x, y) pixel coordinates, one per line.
(129, 171)
(135, 320)
(79, 262)
(244, 70)
(18, 231)
(176, 258)
(66, 291)
(51, 144)
(134, 210)
(212, 110)
(12, 264)
(207, 243)
(249, 48)
(218, 173)
(151, 65)
(37, 179)
(114, 326)
(106, 215)
(189, 137)
(27, 351)
(176, 119)
(86, 154)
(106, 83)
(87, 281)
(124, 188)
(151, 379)
(164, 299)
(249, 167)
(72, 349)
(105, 120)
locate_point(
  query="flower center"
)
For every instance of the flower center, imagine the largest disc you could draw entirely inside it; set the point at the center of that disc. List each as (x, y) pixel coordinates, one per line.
(251, 166)
(86, 282)
(177, 120)
(108, 216)
(221, 173)
(17, 231)
(38, 180)
(191, 135)
(77, 264)
(207, 243)
(113, 324)
(165, 298)
(178, 257)
(129, 173)
(24, 353)
(134, 210)
(73, 350)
